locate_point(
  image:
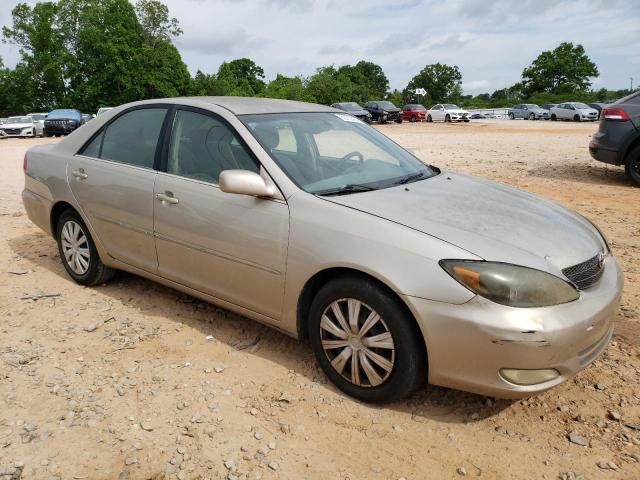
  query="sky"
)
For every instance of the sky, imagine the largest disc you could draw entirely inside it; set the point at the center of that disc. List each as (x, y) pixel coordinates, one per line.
(491, 41)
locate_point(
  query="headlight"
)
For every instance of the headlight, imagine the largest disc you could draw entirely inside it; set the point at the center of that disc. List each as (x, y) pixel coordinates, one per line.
(511, 285)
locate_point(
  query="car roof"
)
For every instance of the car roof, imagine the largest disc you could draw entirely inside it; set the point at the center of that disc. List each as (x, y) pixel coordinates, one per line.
(244, 105)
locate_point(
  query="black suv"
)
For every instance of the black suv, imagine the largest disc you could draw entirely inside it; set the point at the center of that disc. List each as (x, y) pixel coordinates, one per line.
(617, 141)
(62, 122)
(383, 111)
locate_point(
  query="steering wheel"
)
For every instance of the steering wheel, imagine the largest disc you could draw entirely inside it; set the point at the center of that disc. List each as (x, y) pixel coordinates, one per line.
(353, 154)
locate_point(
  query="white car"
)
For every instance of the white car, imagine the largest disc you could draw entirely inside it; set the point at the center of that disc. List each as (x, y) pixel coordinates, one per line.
(447, 112)
(576, 111)
(103, 110)
(38, 120)
(23, 126)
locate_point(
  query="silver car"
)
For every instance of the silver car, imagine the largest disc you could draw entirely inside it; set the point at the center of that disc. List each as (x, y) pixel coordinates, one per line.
(528, 111)
(302, 217)
(38, 122)
(576, 111)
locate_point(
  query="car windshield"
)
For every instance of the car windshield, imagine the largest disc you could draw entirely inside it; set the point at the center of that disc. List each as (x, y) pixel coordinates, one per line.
(386, 105)
(64, 114)
(581, 105)
(450, 106)
(328, 153)
(532, 106)
(19, 120)
(416, 107)
(351, 107)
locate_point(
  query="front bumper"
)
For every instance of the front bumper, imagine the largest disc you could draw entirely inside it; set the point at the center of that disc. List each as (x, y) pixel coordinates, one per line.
(59, 129)
(16, 133)
(469, 344)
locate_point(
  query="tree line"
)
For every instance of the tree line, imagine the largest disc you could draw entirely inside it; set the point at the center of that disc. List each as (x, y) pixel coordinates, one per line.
(86, 54)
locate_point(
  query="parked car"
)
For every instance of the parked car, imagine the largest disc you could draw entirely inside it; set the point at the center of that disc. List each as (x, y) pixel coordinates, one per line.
(86, 117)
(383, 111)
(576, 111)
(22, 126)
(617, 140)
(528, 111)
(265, 208)
(2, 120)
(103, 110)
(598, 107)
(352, 108)
(38, 120)
(62, 122)
(549, 106)
(447, 112)
(414, 112)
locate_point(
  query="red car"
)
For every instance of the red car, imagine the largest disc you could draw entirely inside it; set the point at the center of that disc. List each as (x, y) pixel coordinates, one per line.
(414, 113)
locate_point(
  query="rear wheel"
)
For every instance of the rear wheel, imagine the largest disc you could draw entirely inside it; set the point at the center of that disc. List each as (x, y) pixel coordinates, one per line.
(429, 119)
(78, 252)
(512, 116)
(365, 340)
(576, 118)
(632, 165)
(553, 117)
(447, 118)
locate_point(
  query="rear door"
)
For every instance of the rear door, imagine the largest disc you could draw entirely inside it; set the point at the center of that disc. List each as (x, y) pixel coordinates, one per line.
(233, 247)
(112, 179)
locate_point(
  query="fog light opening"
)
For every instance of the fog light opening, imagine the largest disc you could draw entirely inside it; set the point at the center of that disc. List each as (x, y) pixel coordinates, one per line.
(529, 377)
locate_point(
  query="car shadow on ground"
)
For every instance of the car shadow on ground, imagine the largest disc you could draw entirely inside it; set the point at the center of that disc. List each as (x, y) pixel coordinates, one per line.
(600, 174)
(429, 403)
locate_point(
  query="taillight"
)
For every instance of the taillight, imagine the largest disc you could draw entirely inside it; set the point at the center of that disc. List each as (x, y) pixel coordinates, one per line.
(24, 163)
(615, 114)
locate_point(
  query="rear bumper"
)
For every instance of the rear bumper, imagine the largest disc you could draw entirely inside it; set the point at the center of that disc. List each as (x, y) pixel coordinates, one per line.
(603, 153)
(468, 345)
(38, 209)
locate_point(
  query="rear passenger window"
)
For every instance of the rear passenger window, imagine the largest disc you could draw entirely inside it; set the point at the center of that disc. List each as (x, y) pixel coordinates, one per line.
(132, 138)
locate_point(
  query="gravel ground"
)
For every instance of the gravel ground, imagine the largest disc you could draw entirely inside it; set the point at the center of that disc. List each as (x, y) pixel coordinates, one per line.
(132, 380)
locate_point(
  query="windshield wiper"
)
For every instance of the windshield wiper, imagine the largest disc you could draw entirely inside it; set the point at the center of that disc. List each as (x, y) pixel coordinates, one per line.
(346, 189)
(410, 178)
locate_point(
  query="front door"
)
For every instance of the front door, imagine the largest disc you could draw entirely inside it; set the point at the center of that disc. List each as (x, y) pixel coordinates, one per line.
(233, 247)
(113, 177)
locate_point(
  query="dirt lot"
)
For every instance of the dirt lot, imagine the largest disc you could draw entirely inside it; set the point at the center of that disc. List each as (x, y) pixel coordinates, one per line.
(132, 380)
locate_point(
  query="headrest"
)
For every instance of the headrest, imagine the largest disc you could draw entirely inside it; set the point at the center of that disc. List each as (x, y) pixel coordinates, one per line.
(268, 135)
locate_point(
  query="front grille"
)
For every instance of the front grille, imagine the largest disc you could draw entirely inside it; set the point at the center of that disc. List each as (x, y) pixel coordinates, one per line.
(586, 274)
(12, 131)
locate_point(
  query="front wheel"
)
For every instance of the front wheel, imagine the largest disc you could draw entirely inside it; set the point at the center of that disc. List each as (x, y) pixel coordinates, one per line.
(399, 120)
(576, 118)
(78, 252)
(429, 119)
(512, 116)
(412, 119)
(366, 341)
(553, 117)
(532, 116)
(632, 165)
(447, 118)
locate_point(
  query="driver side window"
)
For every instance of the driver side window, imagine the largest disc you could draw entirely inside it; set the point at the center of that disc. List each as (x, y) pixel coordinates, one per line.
(202, 147)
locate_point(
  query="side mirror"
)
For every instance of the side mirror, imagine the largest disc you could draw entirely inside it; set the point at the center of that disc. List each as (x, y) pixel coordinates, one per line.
(244, 182)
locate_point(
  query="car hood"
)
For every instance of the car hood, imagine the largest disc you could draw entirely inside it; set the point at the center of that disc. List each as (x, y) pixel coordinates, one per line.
(492, 221)
(16, 125)
(357, 112)
(459, 110)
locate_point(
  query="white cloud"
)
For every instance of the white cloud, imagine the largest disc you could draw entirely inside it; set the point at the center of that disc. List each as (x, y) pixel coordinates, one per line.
(491, 42)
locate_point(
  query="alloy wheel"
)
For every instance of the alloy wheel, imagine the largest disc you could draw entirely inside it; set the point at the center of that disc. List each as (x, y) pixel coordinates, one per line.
(75, 247)
(357, 342)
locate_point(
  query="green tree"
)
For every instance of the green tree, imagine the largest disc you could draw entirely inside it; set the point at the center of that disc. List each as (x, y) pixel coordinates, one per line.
(565, 69)
(288, 88)
(155, 21)
(327, 85)
(241, 77)
(442, 83)
(368, 80)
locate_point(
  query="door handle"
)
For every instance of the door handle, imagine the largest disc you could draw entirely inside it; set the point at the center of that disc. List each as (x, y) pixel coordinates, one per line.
(166, 197)
(79, 174)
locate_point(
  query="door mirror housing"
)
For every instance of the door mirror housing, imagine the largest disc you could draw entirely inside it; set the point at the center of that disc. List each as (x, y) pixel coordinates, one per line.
(244, 182)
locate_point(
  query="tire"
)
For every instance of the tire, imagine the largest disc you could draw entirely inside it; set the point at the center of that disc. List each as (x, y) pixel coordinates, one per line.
(47, 134)
(447, 119)
(429, 119)
(382, 119)
(576, 118)
(404, 365)
(412, 119)
(553, 117)
(512, 116)
(88, 269)
(398, 120)
(632, 165)
(532, 116)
